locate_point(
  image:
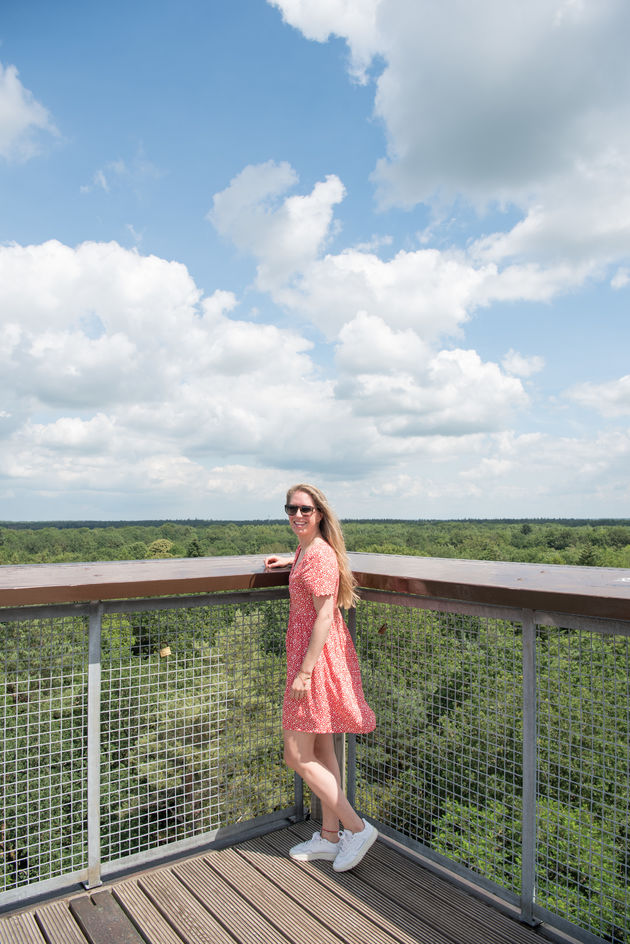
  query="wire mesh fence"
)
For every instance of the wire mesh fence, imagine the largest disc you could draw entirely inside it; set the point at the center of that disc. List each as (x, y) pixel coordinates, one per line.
(444, 768)
(190, 730)
(44, 749)
(583, 850)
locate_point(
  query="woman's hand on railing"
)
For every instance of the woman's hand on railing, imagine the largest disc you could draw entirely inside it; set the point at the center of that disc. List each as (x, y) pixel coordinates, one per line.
(273, 561)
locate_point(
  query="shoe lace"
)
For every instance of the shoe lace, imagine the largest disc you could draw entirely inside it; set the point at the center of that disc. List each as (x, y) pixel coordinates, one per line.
(344, 838)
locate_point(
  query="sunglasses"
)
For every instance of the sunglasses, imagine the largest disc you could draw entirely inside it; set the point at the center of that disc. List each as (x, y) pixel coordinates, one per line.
(306, 510)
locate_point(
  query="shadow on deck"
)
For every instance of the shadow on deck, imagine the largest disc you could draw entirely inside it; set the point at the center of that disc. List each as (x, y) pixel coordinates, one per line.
(254, 893)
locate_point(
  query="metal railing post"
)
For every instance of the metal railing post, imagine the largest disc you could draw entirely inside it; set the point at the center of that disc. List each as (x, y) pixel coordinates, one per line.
(351, 739)
(528, 824)
(94, 747)
(298, 796)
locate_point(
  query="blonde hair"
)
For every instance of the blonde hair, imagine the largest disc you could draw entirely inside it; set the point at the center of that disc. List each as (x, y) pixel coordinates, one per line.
(331, 532)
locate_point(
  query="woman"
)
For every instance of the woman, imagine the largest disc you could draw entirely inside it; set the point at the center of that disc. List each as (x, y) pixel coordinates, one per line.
(323, 693)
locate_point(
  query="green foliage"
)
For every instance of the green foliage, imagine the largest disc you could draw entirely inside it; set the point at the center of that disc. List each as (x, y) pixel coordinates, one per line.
(275, 617)
(190, 733)
(160, 548)
(593, 543)
(444, 764)
(191, 713)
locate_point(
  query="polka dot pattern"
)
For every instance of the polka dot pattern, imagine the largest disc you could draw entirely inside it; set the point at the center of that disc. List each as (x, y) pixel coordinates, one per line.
(335, 702)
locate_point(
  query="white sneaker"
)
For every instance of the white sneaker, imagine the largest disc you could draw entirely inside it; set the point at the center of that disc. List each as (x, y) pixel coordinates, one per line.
(353, 846)
(315, 848)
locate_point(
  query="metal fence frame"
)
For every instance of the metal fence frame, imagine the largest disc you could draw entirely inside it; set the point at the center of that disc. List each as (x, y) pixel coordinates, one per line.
(95, 868)
(524, 905)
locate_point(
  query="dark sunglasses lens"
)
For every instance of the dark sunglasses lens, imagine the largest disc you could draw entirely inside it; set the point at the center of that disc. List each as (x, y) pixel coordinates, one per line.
(293, 509)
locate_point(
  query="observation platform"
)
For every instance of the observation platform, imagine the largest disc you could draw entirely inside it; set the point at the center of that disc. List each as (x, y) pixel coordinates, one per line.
(141, 756)
(253, 893)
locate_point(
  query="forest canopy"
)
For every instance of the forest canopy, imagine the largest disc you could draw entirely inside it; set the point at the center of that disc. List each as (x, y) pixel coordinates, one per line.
(584, 542)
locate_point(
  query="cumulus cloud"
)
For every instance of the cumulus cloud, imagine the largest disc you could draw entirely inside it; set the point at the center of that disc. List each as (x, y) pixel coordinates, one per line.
(287, 235)
(408, 390)
(137, 371)
(434, 291)
(609, 399)
(429, 290)
(354, 20)
(580, 223)
(116, 371)
(495, 473)
(22, 118)
(283, 234)
(494, 101)
(519, 366)
(516, 104)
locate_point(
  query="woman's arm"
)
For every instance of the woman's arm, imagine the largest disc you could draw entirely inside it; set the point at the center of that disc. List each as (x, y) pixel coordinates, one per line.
(274, 561)
(325, 609)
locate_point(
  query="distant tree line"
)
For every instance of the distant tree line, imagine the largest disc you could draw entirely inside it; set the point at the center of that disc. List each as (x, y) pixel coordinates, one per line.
(582, 542)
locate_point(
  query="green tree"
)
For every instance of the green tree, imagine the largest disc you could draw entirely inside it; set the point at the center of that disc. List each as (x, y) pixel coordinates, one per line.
(159, 548)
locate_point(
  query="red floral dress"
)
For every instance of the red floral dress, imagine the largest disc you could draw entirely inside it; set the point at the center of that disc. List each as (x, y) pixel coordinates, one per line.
(335, 702)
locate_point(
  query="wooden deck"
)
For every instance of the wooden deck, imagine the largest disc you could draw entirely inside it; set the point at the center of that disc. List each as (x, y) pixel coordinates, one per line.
(254, 893)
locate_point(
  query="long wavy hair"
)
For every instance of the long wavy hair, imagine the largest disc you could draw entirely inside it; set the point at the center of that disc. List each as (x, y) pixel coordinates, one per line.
(331, 532)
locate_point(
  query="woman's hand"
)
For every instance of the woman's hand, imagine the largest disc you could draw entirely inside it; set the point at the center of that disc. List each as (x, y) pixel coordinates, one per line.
(301, 686)
(274, 561)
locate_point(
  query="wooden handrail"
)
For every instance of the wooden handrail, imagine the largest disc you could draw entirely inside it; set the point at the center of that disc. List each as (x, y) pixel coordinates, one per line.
(590, 591)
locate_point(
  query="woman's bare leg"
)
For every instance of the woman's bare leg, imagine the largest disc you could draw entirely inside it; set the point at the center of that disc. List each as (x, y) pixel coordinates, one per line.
(301, 755)
(324, 749)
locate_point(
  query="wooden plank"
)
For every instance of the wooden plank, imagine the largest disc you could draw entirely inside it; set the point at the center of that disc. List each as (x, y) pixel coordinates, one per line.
(287, 915)
(233, 909)
(355, 910)
(58, 924)
(27, 584)
(20, 929)
(144, 914)
(434, 901)
(591, 591)
(102, 920)
(185, 914)
(429, 891)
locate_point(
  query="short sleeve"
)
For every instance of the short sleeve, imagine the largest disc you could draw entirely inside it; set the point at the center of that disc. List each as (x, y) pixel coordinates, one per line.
(320, 572)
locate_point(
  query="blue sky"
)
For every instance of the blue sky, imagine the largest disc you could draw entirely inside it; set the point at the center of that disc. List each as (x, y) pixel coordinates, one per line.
(380, 245)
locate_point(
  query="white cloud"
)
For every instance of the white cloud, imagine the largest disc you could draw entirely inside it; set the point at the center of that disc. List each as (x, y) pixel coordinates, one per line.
(354, 20)
(609, 399)
(514, 363)
(497, 473)
(428, 290)
(511, 103)
(284, 235)
(130, 173)
(408, 390)
(22, 118)
(491, 101)
(367, 344)
(433, 291)
(139, 372)
(581, 222)
(142, 378)
(121, 379)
